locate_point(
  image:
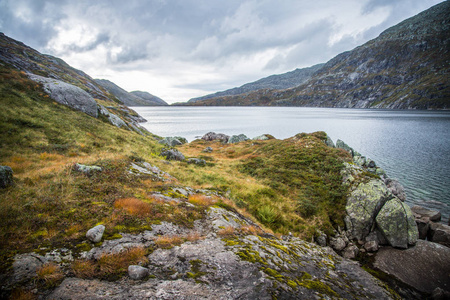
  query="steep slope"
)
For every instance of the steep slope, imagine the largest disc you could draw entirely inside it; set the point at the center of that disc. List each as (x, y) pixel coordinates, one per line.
(281, 81)
(149, 98)
(129, 99)
(406, 67)
(66, 85)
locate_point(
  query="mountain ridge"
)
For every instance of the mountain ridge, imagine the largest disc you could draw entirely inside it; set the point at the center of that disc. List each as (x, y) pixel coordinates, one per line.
(405, 67)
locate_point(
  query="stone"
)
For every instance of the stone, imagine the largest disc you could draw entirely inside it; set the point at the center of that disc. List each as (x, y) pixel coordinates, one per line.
(25, 266)
(95, 234)
(68, 94)
(337, 243)
(6, 176)
(396, 222)
(363, 205)
(371, 246)
(263, 137)
(359, 160)
(440, 294)
(112, 118)
(341, 145)
(212, 136)
(321, 239)
(420, 212)
(196, 161)
(440, 233)
(181, 139)
(172, 154)
(170, 141)
(237, 139)
(329, 142)
(423, 225)
(396, 188)
(350, 252)
(208, 150)
(88, 170)
(426, 266)
(137, 272)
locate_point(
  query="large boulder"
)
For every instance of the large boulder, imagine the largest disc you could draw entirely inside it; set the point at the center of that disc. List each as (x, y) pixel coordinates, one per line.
(173, 141)
(396, 222)
(6, 176)
(95, 234)
(68, 94)
(88, 170)
(363, 205)
(396, 188)
(212, 136)
(420, 212)
(237, 139)
(424, 267)
(112, 118)
(439, 233)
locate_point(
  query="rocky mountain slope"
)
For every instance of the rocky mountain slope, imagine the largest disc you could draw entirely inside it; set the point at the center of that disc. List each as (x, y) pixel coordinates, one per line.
(406, 67)
(281, 81)
(136, 98)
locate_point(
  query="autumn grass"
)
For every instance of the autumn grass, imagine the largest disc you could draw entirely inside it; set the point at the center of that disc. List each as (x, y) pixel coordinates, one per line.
(168, 241)
(51, 274)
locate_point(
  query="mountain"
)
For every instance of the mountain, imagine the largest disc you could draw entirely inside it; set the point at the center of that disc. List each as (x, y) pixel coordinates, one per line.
(405, 67)
(281, 81)
(130, 99)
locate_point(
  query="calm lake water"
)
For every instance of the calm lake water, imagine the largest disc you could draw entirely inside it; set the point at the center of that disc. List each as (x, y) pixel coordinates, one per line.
(412, 146)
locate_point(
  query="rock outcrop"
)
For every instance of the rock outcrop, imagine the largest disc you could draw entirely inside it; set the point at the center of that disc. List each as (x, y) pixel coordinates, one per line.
(6, 176)
(173, 154)
(212, 136)
(237, 139)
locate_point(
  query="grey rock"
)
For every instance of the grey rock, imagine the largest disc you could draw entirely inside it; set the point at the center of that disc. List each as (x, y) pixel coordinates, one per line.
(181, 139)
(208, 150)
(212, 136)
(144, 168)
(425, 266)
(6, 176)
(113, 119)
(440, 294)
(420, 212)
(359, 160)
(423, 226)
(439, 233)
(137, 272)
(338, 243)
(396, 188)
(350, 252)
(196, 161)
(341, 145)
(88, 170)
(172, 154)
(363, 206)
(396, 222)
(68, 94)
(237, 139)
(26, 265)
(95, 234)
(321, 239)
(171, 141)
(329, 142)
(371, 246)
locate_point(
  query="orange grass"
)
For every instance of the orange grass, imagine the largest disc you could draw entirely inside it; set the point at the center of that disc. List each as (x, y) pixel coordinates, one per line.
(134, 206)
(168, 241)
(202, 200)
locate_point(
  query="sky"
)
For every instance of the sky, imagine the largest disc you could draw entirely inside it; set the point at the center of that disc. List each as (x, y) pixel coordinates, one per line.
(180, 49)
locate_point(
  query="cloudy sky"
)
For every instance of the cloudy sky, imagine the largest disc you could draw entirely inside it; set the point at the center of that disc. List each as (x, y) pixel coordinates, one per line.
(179, 49)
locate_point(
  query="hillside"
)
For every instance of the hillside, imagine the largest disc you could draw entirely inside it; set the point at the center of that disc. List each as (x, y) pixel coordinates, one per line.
(406, 67)
(136, 98)
(281, 81)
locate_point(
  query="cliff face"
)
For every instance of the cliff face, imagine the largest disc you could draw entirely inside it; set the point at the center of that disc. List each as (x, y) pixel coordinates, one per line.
(281, 81)
(406, 67)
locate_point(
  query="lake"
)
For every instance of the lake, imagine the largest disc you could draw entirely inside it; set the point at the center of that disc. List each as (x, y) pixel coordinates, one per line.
(412, 146)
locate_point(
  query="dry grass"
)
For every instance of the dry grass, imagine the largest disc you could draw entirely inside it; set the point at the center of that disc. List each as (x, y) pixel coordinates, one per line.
(84, 269)
(134, 206)
(227, 231)
(202, 200)
(20, 294)
(118, 263)
(51, 274)
(194, 236)
(250, 229)
(168, 241)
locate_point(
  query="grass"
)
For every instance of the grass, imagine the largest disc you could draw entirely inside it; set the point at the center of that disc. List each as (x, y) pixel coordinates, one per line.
(50, 274)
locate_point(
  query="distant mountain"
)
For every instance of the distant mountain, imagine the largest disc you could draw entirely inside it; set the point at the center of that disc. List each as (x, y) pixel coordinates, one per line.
(151, 99)
(405, 67)
(281, 81)
(130, 99)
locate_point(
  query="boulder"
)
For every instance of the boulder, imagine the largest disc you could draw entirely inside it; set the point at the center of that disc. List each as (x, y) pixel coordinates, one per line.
(420, 212)
(424, 267)
(350, 252)
(212, 136)
(363, 205)
(25, 266)
(439, 233)
(95, 234)
(396, 222)
(112, 118)
(395, 187)
(340, 144)
(237, 139)
(423, 226)
(137, 272)
(170, 141)
(181, 139)
(208, 150)
(337, 243)
(88, 170)
(371, 246)
(321, 239)
(196, 161)
(6, 176)
(68, 94)
(263, 137)
(172, 154)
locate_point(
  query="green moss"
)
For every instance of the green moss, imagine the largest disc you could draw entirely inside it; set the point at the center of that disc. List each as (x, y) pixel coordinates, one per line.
(195, 268)
(318, 286)
(292, 284)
